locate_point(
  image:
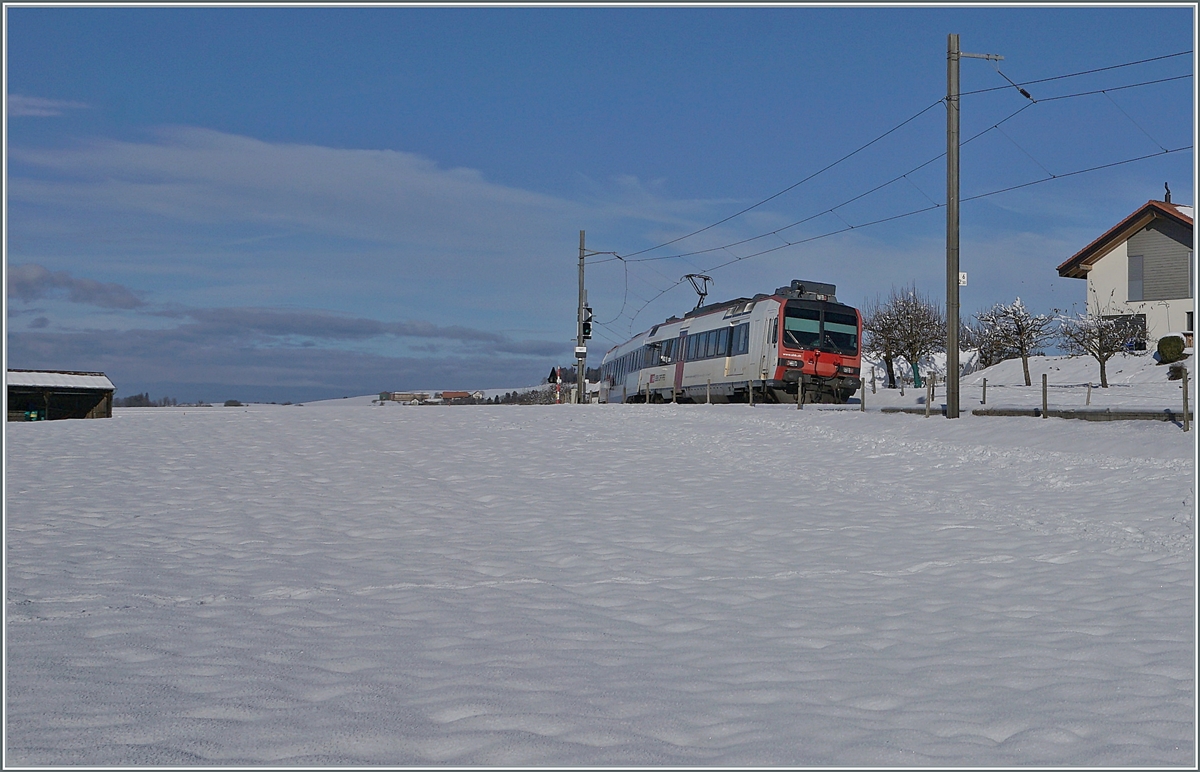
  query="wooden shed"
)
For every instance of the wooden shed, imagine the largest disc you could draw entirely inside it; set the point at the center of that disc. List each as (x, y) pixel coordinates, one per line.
(50, 395)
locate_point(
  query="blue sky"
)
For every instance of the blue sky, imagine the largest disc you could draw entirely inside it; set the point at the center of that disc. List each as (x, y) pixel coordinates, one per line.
(295, 203)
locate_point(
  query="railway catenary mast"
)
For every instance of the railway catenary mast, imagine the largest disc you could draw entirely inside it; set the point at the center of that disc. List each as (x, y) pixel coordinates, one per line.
(580, 337)
(798, 341)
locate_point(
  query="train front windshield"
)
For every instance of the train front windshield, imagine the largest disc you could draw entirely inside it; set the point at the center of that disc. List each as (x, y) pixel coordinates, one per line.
(823, 326)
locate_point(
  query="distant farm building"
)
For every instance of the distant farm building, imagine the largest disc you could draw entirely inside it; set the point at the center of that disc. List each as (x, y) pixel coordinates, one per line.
(50, 395)
(403, 396)
(456, 395)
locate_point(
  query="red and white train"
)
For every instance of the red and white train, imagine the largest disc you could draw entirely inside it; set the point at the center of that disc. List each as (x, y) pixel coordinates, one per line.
(769, 348)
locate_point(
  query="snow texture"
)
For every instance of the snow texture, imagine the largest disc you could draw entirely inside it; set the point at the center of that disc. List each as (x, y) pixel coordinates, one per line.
(598, 585)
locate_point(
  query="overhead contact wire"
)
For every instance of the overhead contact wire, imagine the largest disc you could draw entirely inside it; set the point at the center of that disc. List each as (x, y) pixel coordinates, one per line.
(1077, 74)
(915, 212)
(864, 194)
(789, 188)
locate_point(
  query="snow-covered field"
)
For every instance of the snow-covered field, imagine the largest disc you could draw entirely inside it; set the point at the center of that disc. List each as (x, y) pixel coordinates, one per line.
(343, 583)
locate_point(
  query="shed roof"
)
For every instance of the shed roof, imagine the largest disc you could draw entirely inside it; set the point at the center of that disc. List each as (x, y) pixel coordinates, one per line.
(1078, 265)
(59, 379)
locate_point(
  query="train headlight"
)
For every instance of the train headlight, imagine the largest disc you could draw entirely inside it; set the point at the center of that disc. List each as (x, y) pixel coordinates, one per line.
(790, 363)
(847, 370)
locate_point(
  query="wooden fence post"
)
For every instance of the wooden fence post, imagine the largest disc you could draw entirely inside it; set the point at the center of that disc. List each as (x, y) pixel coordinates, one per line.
(1045, 403)
(1186, 423)
(983, 401)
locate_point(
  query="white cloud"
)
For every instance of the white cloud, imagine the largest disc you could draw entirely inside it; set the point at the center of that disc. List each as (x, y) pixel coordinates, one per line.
(204, 176)
(20, 106)
(193, 212)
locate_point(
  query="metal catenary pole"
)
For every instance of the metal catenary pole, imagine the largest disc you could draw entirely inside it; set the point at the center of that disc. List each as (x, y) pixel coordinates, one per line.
(952, 59)
(953, 56)
(580, 351)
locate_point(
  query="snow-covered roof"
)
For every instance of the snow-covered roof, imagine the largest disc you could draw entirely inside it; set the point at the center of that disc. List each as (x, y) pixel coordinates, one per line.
(1184, 210)
(59, 379)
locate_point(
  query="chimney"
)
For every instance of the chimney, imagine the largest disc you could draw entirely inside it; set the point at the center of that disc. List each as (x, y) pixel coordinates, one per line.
(1168, 187)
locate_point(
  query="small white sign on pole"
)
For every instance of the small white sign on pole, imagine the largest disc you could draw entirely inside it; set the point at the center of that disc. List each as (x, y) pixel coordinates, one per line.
(962, 278)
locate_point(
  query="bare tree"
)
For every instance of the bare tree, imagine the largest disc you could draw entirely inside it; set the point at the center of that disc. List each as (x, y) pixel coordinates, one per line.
(1100, 337)
(920, 327)
(1010, 331)
(879, 336)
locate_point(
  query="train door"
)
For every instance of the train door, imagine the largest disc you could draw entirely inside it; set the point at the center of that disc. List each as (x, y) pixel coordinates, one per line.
(659, 368)
(679, 360)
(734, 364)
(769, 340)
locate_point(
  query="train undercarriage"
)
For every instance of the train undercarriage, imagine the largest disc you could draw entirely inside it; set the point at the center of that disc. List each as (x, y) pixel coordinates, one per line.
(816, 391)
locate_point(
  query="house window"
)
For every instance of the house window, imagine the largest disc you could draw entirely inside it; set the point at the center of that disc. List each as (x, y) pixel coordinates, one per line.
(1136, 263)
(1133, 328)
(1189, 321)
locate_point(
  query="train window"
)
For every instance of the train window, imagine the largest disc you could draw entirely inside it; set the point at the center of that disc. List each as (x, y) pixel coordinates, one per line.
(841, 331)
(774, 331)
(801, 326)
(722, 336)
(741, 339)
(692, 340)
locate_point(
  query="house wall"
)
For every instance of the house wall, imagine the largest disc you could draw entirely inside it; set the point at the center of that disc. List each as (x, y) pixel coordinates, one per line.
(1164, 247)
(1163, 265)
